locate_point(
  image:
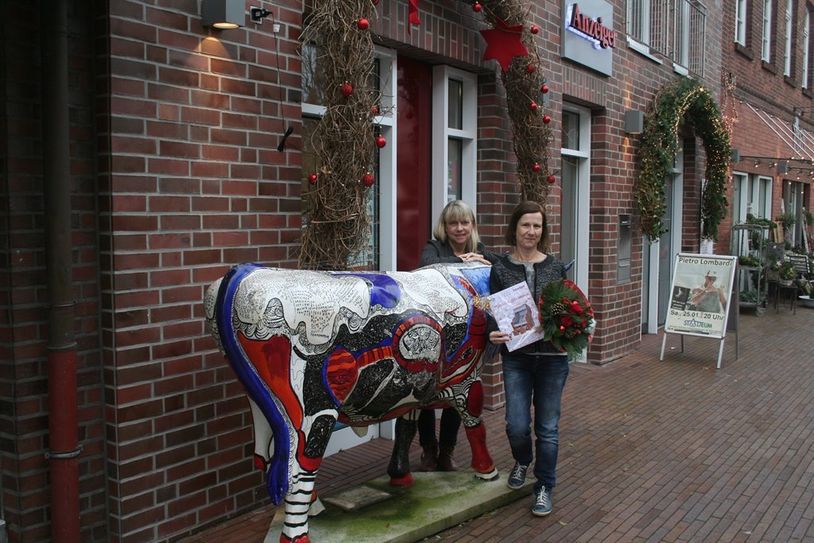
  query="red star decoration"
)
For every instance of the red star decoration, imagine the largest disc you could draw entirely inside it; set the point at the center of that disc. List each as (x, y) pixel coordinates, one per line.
(503, 43)
(412, 14)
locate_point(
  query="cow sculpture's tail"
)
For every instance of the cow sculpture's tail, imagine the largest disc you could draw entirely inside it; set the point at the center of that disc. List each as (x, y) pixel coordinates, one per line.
(277, 469)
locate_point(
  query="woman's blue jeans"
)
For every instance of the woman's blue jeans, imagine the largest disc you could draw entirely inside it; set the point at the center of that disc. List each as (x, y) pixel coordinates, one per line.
(539, 380)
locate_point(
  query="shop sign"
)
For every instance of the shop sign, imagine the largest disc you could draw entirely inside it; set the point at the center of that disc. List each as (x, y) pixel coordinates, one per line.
(588, 34)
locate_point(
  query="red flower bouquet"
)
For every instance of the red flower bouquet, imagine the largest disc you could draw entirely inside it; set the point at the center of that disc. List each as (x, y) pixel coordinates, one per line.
(567, 317)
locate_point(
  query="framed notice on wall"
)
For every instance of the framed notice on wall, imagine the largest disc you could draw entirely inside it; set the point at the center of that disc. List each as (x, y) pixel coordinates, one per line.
(701, 294)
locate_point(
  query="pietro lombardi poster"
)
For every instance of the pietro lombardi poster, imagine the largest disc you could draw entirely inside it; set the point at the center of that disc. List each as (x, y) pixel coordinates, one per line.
(701, 294)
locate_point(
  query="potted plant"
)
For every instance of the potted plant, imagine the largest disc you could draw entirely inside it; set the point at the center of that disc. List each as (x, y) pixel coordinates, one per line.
(788, 219)
(787, 273)
(749, 261)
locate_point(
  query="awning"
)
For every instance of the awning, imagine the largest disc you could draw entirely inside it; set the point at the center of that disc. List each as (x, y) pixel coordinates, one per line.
(797, 143)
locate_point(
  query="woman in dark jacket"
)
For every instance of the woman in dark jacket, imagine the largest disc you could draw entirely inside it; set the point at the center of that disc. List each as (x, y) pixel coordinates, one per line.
(456, 240)
(535, 374)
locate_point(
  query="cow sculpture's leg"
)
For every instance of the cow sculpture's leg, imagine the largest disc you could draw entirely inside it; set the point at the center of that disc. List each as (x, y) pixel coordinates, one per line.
(307, 459)
(399, 467)
(476, 432)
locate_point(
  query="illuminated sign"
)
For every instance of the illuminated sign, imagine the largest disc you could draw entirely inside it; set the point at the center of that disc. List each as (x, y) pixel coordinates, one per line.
(590, 29)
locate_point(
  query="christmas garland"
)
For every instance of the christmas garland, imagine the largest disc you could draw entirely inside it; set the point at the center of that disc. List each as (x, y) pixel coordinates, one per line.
(684, 100)
(336, 222)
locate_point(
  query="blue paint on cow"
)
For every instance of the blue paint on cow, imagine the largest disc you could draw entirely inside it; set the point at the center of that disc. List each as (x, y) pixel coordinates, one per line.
(277, 472)
(384, 290)
(479, 277)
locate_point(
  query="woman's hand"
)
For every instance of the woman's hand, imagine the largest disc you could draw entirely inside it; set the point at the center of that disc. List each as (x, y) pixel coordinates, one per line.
(474, 257)
(497, 337)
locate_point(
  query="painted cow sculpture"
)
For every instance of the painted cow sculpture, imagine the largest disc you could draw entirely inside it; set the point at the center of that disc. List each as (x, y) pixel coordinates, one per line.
(312, 348)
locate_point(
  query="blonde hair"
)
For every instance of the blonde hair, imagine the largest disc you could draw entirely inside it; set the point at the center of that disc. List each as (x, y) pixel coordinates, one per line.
(455, 211)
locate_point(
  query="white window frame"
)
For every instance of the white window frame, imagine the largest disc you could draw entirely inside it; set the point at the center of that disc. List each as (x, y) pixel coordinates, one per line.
(766, 43)
(682, 38)
(442, 133)
(740, 22)
(740, 184)
(583, 219)
(787, 53)
(639, 35)
(764, 187)
(806, 75)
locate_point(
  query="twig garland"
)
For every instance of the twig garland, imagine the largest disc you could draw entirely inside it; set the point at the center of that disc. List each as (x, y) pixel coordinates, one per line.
(684, 100)
(344, 141)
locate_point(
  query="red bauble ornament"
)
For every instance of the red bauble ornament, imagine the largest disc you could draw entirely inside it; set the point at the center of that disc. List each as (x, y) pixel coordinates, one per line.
(546, 119)
(312, 178)
(347, 88)
(533, 105)
(380, 141)
(551, 179)
(363, 24)
(544, 88)
(534, 29)
(374, 109)
(562, 328)
(476, 7)
(536, 168)
(531, 68)
(367, 179)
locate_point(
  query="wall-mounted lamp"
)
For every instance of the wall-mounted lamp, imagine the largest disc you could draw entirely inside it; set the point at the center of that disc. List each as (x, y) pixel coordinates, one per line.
(258, 14)
(223, 14)
(783, 167)
(634, 121)
(734, 155)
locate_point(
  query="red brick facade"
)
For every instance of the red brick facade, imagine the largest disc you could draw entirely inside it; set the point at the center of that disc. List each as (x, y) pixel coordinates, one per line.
(175, 177)
(762, 85)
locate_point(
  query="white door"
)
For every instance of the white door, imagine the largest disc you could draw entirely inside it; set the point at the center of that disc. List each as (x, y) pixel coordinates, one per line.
(576, 192)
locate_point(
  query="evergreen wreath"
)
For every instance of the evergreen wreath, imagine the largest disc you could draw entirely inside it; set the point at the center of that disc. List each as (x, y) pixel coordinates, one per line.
(683, 100)
(336, 221)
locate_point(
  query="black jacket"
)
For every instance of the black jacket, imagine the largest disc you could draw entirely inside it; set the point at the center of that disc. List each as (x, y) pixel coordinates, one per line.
(506, 273)
(436, 252)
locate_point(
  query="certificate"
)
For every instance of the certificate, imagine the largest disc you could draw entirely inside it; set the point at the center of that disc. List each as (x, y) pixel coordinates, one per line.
(517, 315)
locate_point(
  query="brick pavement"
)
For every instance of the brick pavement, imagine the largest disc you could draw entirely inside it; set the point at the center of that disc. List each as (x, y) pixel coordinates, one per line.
(650, 451)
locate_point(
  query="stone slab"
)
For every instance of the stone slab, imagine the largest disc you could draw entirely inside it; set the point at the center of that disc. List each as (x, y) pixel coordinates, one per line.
(435, 502)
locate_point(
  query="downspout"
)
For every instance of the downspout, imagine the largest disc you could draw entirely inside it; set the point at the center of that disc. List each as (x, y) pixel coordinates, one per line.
(62, 394)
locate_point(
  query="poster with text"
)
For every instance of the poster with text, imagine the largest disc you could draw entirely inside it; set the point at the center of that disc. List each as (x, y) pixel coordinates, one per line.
(701, 292)
(516, 314)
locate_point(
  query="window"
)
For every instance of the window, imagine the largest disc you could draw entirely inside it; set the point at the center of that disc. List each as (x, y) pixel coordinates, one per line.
(673, 29)
(766, 44)
(638, 20)
(806, 49)
(313, 110)
(455, 121)
(740, 22)
(787, 53)
(751, 195)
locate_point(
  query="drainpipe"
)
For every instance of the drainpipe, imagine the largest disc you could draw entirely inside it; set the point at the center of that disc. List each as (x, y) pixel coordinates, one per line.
(62, 407)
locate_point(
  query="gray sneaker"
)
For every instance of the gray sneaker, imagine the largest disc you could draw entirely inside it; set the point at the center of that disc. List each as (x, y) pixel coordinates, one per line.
(542, 503)
(517, 476)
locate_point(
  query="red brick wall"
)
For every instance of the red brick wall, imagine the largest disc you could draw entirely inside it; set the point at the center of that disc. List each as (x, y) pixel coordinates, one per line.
(23, 293)
(764, 86)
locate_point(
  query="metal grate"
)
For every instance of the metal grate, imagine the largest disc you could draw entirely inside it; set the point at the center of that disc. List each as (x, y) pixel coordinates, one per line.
(673, 28)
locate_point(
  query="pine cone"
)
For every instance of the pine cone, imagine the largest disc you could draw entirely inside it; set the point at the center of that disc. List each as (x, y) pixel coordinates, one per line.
(557, 308)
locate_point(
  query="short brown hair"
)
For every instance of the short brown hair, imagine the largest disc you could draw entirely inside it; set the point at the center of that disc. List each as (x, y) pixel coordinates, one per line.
(526, 206)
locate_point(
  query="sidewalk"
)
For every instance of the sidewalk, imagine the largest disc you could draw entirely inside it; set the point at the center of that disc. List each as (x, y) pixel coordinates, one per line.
(649, 450)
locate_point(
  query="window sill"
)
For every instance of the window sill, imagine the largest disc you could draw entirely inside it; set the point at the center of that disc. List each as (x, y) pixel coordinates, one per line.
(745, 51)
(768, 66)
(808, 93)
(681, 70)
(642, 49)
(788, 80)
